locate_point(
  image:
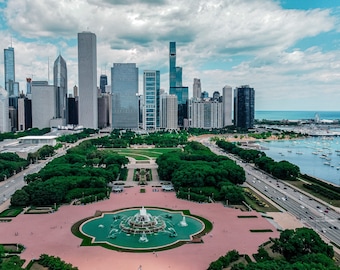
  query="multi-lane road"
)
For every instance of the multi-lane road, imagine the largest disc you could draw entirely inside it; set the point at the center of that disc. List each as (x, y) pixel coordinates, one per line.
(312, 212)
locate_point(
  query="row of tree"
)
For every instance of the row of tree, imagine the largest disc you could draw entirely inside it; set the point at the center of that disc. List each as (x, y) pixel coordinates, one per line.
(299, 249)
(120, 139)
(29, 132)
(283, 169)
(197, 173)
(11, 163)
(83, 173)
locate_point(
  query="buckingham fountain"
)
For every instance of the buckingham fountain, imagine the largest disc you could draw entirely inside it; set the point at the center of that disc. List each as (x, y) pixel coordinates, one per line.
(146, 229)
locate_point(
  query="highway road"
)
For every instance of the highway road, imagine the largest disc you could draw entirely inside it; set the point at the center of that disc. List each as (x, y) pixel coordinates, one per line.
(312, 212)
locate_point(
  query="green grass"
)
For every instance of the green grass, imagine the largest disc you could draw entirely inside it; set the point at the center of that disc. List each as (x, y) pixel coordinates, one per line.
(134, 155)
(150, 153)
(299, 184)
(11, 212)
(256, 207)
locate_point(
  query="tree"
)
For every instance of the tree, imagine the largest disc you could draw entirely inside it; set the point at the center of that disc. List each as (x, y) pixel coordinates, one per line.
(20, 198)
(293, 244)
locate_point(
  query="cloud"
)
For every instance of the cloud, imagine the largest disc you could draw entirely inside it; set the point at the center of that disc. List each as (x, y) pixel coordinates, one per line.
(237, 41)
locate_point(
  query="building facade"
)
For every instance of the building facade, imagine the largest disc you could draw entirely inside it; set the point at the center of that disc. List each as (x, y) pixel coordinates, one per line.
(24, 113)
(168, 112)
(103, 83)
(43, 104)
(87, 78)
(124, 89)
(4, 117)
(244, 107)
(60, 82)
(196, 89)
(11, 86)
(227, 100)
(172, 64)
(151, 108)
(205, 114)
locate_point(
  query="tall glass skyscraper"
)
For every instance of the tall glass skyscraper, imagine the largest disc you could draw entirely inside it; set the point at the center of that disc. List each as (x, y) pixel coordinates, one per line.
(10, 85)
(60, 82)
(87, 78)
(124, 85)
(244, 107)
(176, 87)
(102, 83)
(172, 64)
(151, 82)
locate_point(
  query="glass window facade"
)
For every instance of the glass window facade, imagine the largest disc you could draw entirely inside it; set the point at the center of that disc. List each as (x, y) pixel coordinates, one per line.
(151, 80)
(124, 85)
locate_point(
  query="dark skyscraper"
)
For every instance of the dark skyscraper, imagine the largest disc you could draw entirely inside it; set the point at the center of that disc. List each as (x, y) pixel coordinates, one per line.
(103, 83)
(244, 107)
(176, 87)
(124, 85)
(172, 64)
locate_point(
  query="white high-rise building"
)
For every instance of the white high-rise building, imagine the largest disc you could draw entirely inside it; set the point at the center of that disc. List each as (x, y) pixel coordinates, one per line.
(4, 116)
(227, 100)
(151, 83)
(43, 104)
(168, 112)
(87, 78)
(196, 90)
(205, 114)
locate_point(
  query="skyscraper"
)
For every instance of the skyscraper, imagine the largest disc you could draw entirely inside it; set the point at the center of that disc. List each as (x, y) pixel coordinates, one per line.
(87, 78)
(227, 94)
(244, 107)
(176, 88)
(168, 111)
(103, 82)
(172, 64)
(60, 82)
(43, 104)
(196, 89)
(151, 83)
(11, 86)
(124, 84)
(4, 116)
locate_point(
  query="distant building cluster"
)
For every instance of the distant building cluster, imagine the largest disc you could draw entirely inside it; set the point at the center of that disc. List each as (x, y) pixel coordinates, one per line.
(118, 105)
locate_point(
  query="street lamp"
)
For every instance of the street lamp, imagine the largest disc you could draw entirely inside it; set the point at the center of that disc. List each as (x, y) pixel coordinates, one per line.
(188, 194)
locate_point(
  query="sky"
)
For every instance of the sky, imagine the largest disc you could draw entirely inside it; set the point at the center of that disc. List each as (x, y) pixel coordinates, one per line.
(287, 50)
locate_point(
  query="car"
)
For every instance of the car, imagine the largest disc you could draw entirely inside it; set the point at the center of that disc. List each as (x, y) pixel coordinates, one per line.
(318, 207)
(326, 211)
(335, 227)
(311, 217)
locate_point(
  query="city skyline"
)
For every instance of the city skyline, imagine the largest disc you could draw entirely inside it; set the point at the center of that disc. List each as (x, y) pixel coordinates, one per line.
(287, 51)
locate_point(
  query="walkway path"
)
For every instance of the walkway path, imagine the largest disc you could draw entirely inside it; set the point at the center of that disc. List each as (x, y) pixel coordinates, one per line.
(51, 234)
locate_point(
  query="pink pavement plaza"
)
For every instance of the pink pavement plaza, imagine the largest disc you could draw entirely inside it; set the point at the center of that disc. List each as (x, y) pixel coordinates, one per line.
(51, 234)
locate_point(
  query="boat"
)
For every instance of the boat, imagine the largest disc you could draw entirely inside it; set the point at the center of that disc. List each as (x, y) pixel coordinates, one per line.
(327, 163)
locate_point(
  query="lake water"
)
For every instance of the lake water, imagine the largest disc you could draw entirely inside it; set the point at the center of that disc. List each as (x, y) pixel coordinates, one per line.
(317, 156)
(296, 115)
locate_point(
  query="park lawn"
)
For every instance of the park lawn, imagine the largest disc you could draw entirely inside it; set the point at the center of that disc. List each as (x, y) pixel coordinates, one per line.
(151, 153)
(135, 156)
(256, 207)
(299, 184)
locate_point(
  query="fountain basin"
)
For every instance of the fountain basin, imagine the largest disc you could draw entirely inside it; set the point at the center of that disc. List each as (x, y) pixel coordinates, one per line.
(158, 229)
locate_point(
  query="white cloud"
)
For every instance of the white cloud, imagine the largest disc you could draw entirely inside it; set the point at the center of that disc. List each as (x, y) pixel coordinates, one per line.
(206, 32)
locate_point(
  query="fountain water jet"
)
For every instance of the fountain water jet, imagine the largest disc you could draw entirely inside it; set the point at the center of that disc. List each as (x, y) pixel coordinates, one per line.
(183, 222)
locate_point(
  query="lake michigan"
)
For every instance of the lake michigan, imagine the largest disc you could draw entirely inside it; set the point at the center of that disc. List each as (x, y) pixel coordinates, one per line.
(317, 156)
